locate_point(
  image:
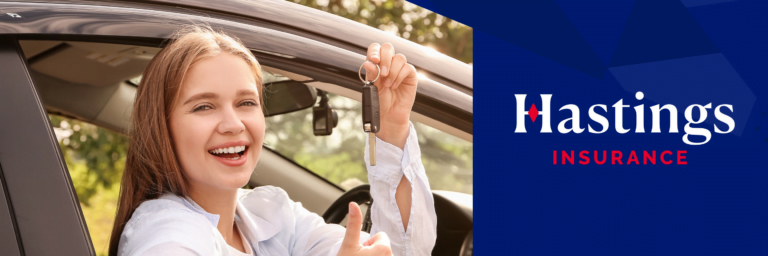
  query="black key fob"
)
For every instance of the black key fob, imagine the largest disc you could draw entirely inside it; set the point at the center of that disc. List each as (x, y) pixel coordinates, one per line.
(371, 117)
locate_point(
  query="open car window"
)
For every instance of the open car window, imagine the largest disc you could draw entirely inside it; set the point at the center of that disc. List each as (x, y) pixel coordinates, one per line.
(339, 157)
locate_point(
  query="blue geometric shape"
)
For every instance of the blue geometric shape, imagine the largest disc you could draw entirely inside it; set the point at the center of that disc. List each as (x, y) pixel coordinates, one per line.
(692, 3)
(693, 80)
(540, 27)
(660, 30)
(426, 4)
(599, 22)
(535, 25)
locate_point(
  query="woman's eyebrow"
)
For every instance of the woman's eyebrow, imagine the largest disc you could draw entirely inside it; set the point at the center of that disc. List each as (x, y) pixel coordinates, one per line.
(200, 96)
(246, 92)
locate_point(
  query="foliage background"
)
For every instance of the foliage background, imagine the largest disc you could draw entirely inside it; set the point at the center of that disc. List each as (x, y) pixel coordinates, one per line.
(95, 157)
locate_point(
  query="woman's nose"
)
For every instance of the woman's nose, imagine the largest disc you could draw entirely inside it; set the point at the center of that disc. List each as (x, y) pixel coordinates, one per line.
(230, 122)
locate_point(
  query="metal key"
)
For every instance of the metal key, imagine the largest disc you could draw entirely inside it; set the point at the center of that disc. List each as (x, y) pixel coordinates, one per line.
(370, 112)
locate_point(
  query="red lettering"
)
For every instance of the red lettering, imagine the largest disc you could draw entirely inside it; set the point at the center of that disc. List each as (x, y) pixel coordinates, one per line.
(681, 157)
(569, 157)
(633, 157)
(604, 158)
(646, 157)
(584, 157)
(666, 152)
(614, 158)
(554, 157)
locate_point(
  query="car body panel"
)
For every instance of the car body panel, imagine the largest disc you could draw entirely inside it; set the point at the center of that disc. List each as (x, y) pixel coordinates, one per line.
(34, 173)
(9, 244)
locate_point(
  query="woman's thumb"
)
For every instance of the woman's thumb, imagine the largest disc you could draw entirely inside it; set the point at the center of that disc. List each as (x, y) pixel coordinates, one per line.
(354, 224)
(371, 71)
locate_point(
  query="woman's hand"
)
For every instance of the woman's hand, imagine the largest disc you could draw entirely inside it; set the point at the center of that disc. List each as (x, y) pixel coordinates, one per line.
(376, 245)
(397, 91)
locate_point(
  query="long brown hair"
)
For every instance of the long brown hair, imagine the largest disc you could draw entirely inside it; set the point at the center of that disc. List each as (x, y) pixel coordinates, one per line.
(152, 168)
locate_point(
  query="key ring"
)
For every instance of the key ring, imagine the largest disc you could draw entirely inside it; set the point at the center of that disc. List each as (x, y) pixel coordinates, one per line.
(360, 75)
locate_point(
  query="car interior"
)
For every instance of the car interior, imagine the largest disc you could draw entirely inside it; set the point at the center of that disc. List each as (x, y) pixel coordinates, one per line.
(96, 83)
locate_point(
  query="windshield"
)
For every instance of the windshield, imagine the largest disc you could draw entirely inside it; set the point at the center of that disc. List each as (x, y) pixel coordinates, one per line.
(339, 157)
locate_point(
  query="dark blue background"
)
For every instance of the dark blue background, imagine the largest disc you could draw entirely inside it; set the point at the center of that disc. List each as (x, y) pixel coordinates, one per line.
(597, 52)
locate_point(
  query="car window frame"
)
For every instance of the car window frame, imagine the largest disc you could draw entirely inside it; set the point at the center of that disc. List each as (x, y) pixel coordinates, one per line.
(323, 62)
(35, 177)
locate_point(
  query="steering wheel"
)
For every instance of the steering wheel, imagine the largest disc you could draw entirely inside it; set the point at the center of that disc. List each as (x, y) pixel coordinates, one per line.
(339, 208)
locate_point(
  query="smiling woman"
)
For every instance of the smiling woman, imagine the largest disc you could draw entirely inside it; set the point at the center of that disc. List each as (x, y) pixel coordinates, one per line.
(163, 144)
(197, 131)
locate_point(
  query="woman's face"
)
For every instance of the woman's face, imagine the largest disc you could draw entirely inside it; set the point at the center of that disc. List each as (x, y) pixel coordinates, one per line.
(217, 124)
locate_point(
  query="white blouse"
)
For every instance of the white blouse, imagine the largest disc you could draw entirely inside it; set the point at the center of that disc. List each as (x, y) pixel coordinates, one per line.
(273, 224)
(246, 244)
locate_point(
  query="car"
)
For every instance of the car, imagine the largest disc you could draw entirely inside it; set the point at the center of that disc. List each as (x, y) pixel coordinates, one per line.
(80, 59)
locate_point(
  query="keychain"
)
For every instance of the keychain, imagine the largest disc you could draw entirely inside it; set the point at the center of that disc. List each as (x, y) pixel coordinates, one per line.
(370, 111)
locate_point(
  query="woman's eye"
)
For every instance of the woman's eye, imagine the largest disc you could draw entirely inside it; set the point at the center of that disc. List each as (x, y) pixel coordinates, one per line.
(249, 103)
(202, 107)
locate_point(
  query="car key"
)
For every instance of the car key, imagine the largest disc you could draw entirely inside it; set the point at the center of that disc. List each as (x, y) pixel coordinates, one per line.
(370, 112)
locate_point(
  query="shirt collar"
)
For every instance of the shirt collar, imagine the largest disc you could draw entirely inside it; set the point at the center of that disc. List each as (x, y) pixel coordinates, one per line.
(259, 216)
(191, 204)
(260, 225)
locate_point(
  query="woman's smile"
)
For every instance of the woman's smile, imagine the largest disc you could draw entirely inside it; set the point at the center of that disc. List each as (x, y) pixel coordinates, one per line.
(233, 153)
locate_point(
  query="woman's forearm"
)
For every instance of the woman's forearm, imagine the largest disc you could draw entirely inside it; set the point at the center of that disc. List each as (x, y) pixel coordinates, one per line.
(403, 198)
(403, 205)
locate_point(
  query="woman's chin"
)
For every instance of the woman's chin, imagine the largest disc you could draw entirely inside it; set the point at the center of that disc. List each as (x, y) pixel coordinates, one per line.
(239, 178)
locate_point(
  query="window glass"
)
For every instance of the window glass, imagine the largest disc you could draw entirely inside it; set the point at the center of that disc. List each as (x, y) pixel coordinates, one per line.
(95, 158)
(446, 158)
(339, 157)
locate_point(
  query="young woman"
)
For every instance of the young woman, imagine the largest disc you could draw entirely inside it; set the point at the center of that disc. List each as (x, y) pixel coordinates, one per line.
(196, 134)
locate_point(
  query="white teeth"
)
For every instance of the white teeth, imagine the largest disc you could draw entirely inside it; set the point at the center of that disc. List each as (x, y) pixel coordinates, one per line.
(234, 158)
(230, 150)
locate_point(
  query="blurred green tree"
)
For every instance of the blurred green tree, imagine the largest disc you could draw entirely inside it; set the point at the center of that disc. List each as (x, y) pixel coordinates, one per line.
(95, 156)
(405, 20)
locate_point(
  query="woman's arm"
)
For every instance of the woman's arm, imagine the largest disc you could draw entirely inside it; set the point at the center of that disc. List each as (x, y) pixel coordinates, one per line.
(403, 198)
(403, 205)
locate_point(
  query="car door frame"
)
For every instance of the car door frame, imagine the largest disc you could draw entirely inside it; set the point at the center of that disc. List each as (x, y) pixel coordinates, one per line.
(42, 202)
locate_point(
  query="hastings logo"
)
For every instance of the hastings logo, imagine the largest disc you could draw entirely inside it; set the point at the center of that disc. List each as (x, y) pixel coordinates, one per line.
(698, 135)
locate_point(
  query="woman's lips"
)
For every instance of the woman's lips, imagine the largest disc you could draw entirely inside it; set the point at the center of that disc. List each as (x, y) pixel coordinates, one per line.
(232, 159)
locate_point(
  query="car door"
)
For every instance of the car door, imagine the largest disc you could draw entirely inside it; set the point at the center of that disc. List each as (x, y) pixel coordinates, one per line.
(39, 211)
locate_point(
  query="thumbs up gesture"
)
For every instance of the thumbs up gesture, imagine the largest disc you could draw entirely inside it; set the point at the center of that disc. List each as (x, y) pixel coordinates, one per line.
(376, 245)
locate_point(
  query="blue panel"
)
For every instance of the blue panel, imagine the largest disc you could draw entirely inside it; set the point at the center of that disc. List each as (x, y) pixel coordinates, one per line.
(599, 22)
(711, 52)
(693, 80)
(692, 3)
(538, 26)
(660, 30)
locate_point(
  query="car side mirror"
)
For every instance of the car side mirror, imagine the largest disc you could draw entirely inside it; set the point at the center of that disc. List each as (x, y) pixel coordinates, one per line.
(287, 96)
